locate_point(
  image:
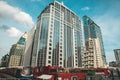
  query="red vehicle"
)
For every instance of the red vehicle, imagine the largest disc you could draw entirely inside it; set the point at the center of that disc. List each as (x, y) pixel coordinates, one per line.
(58, 73)
(71, 75)
(46, 71)
(102, 71)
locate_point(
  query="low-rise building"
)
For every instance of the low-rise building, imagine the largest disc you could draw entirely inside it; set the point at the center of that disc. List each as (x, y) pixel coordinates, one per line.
(112, 64)
(4, 60)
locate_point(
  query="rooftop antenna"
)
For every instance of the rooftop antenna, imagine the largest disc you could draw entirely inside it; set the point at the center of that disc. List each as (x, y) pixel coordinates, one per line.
(62, 2)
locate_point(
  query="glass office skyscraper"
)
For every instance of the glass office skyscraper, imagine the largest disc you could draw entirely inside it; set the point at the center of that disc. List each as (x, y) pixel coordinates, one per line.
(58, 38)
(93, 40)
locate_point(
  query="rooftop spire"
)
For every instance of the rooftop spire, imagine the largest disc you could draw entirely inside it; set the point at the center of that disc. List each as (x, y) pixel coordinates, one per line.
(62, 3)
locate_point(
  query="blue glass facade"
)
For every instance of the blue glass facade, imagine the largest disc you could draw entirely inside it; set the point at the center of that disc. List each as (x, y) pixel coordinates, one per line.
(58, 39)
(55, 58)
(21, 41)
(91, 30)
(43, 41)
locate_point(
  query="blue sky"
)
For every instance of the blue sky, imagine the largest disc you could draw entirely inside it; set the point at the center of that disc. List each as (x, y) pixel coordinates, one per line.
(18, 16)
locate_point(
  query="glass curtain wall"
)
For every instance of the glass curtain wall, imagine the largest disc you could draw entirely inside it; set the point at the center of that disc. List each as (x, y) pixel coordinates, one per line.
(55, 42)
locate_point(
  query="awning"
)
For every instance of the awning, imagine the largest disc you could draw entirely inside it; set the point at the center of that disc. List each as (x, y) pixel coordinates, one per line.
(45, 76)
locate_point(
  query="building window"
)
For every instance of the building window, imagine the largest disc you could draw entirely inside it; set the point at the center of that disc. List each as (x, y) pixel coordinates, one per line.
(50, 40)
(52, 22)
(49, 61)
(61, 47)
(51, 28)
(49, 48)
(60, 62)
(57, 13)
(49, 52)
(49, 57)
(50, 44)
(50, 32)
(60, 58)
(60, 50)
(76, 60)
(50, 36)
(60, 54)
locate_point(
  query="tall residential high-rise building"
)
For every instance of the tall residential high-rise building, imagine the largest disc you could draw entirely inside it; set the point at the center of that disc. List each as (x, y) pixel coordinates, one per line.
(16, 52)
(58, 38)
(94, 55)
(117, 56)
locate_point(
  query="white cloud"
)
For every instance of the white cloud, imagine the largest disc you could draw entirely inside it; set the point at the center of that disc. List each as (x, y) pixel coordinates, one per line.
(110, 26)
(15, 14)
(85, 8)
(13, 32)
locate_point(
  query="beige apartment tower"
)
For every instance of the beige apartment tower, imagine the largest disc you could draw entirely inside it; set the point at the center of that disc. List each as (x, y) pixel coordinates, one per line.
(94, 54)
